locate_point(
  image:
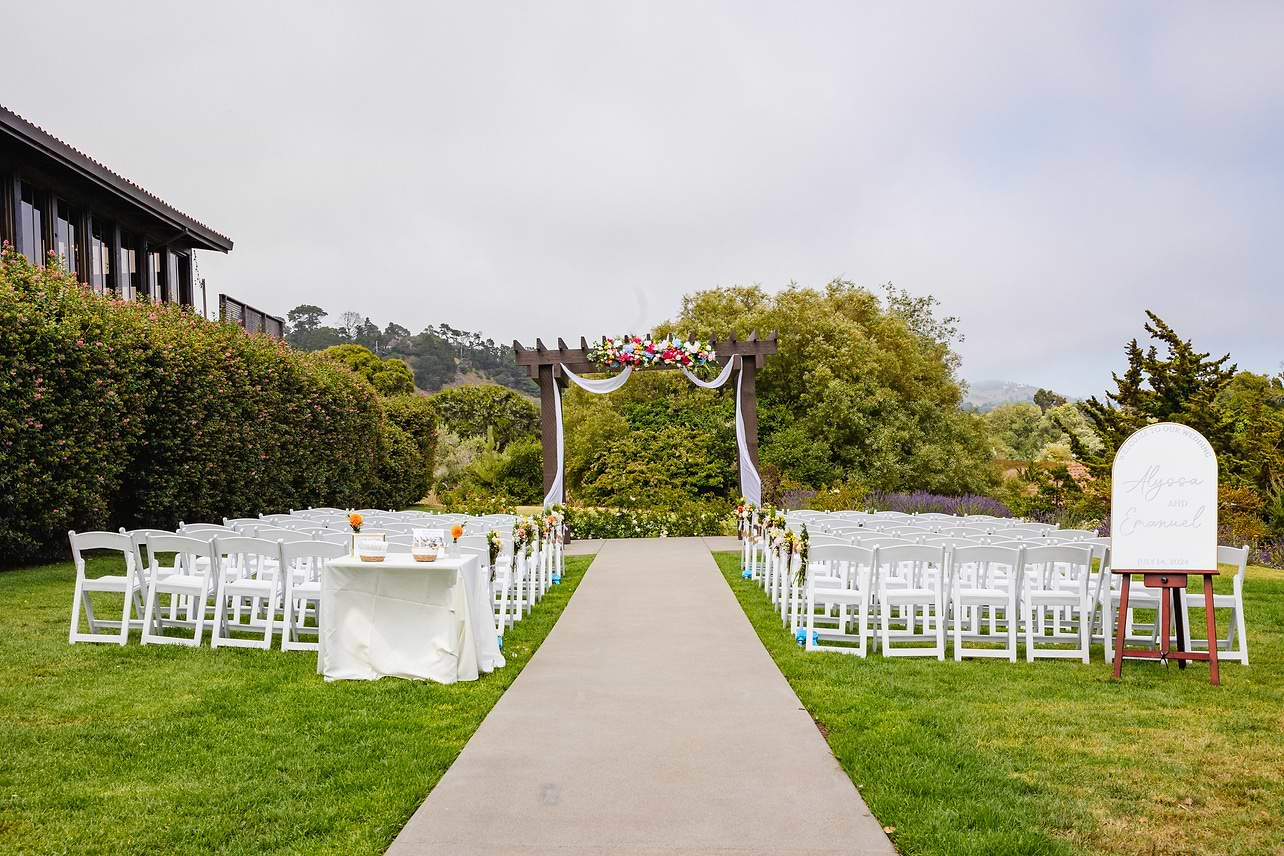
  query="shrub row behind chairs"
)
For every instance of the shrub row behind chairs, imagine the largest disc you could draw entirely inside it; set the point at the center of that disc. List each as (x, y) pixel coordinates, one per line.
(217, 566)
(907, 583)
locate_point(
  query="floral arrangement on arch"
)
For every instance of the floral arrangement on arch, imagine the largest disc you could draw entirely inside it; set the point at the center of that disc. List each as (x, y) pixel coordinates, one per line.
(617, 352)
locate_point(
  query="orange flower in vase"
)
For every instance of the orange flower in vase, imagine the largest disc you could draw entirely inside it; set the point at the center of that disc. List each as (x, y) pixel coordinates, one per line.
(456, 532)
(355, 520)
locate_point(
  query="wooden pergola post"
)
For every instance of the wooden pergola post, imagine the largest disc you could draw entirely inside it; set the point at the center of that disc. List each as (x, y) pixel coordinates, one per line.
(548, 425)
(544, 365)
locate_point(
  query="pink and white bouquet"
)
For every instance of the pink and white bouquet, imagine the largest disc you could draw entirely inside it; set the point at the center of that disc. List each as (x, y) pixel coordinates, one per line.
(617, 352)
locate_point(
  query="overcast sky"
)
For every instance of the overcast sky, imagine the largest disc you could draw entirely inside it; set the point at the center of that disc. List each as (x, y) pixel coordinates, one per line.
(1047, 170)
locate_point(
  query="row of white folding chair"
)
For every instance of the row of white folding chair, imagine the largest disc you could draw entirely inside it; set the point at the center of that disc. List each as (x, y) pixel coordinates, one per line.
(782, 586)
(905, 595)
(208, 562)
(1059, 590)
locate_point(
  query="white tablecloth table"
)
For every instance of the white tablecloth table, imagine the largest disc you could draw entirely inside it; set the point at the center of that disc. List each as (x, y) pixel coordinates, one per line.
(407, 619)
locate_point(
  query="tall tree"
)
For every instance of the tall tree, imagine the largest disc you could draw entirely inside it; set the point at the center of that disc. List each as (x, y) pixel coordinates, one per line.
(1180, 384)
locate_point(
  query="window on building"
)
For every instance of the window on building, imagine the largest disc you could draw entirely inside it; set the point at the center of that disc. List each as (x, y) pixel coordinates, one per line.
(182, 279)
(171, 279)
(31, 225)
(127, 274)
(65, 226)
(154, 277)
(100, 266)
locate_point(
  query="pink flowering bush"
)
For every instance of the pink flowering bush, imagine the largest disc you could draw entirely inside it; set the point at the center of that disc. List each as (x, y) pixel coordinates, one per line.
(117, 413)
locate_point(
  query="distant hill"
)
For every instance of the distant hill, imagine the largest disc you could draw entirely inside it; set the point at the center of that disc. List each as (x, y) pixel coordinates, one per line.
(439, 356)
(985, 395)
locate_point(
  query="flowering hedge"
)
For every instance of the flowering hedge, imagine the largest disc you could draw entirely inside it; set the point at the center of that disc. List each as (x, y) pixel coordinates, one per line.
(690, 519)
(130, 414)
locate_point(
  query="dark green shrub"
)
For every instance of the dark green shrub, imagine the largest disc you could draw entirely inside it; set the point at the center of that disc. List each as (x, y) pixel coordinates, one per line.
(131, 414)
(416, 415)
(388, 377)
(473, 411)
(401, 479)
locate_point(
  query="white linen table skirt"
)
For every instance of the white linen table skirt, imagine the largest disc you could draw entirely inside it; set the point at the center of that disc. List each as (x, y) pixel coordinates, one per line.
(406, 619)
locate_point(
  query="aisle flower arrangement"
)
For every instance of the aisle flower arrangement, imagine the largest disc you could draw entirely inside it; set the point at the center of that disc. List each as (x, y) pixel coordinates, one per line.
(525, 531)
(494, 544)
(617, 352)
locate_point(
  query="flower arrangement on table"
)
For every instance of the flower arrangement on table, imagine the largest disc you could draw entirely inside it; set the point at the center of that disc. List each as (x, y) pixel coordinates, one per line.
(355, 520)
(456, 532)
(617, 352)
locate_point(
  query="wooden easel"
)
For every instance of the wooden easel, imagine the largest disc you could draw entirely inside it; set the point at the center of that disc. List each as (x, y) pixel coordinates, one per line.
(1170, 612)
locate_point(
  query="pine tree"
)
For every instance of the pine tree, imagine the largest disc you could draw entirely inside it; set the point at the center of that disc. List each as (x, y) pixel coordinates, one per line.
(1181, 385)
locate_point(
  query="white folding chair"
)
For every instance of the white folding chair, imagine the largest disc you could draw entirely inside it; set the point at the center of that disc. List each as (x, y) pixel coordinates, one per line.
(840, 585)
(1057, 606)
(985, 587)
(302, 561)
(127, 585)
(192, 578)
(1235, 645)
(911, 578)
(257, 582)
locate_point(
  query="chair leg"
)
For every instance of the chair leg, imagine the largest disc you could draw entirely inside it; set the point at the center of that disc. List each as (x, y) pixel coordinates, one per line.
(220, 629)
(1240, 634)
(288, 634)
(957, 625)
(149, 610)
(1028, 620)
(940, 627)
(200, 612)
(125, 612)
(1085, 627)
(1012, 629)
(76, 606)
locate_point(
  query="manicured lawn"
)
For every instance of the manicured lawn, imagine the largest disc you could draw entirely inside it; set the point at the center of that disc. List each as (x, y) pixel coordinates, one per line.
(1055, 757)
(161, 749)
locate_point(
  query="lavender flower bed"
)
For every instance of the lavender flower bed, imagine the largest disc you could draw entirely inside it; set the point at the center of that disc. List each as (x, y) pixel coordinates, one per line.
(920, 502)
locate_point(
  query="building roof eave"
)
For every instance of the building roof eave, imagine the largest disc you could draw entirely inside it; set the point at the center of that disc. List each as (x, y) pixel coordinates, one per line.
(197, 235)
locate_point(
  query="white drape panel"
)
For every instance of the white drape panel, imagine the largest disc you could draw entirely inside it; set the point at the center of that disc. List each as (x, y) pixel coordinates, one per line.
(599, 387)
(750, 481)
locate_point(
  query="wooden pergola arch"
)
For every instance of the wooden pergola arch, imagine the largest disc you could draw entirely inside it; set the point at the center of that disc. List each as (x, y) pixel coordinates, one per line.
(544, 364)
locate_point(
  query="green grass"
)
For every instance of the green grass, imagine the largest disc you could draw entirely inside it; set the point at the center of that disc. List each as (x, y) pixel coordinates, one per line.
(162, 749)
(986, 756)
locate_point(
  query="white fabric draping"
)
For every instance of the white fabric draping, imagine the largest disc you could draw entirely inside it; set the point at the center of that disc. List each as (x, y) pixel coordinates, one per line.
(750, 481)
(600, 387)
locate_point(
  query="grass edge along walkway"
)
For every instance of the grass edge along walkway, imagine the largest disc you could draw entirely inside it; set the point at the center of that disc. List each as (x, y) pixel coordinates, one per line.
(166, 749)
(1053, 757)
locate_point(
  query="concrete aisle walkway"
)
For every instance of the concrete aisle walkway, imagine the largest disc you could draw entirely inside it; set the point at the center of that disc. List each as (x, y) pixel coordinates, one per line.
(651, 721)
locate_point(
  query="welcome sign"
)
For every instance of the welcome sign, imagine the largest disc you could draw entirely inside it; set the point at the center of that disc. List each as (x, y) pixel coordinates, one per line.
(1163, 501)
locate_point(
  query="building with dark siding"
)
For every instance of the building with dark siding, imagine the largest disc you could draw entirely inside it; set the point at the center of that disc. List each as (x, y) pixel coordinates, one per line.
(110, 232)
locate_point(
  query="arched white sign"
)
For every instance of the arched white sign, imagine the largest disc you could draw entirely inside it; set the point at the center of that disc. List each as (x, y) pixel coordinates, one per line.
(1163, 501)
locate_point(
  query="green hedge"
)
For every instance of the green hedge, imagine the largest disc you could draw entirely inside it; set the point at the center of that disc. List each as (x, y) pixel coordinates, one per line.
(415, 415)
(132, 414)
(697, 518)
